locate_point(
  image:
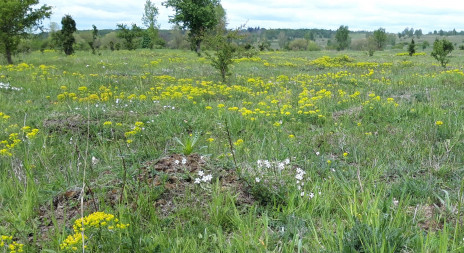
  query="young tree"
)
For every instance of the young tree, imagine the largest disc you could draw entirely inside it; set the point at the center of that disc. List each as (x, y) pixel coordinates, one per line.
(68, 27)
(412, 48)
(93, 43)
(149, 18)
(380, 38)
(199, 16)
(342, 38)
(129, 35)
(16, 18)
(441, 50)
(224, 51)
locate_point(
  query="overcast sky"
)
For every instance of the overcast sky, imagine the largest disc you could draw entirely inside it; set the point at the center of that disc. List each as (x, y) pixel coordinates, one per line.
(394, 15)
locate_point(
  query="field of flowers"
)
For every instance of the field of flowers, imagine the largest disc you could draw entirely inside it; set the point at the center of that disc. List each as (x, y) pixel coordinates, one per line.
(148, 151)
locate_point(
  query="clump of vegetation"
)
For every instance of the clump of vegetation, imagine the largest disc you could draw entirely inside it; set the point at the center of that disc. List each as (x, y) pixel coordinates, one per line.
(441, 50)
(224, 52)
(68, 28)
(129, 35)
(412, 48)
(298, 45)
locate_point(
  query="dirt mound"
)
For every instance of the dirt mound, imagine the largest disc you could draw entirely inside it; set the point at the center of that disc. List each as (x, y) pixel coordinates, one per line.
(178, 173)
(63, 209)
(63, 123)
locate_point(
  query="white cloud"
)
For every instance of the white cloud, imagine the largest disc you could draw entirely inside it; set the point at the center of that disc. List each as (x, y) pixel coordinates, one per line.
(394, 15)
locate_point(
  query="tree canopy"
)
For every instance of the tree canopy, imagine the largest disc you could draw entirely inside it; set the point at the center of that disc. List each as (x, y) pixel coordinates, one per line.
(342, 38)
(199, 16)
(16, 17)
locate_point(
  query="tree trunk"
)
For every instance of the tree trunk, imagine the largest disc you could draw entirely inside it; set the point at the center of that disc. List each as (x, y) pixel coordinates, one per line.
(198, 48)
(8, 55)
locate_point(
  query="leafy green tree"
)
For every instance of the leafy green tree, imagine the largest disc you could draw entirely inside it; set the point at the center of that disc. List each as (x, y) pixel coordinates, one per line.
(199, 16)
(342, 38)
(16, 19)
(441, 50)
(68, 27)
(380, 38)
(412, 48)
(149, 19)
(129, 35)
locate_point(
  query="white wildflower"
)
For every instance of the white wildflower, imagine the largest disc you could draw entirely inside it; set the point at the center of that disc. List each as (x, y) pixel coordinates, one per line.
(200, 173)
(257, 180)
(94, 161)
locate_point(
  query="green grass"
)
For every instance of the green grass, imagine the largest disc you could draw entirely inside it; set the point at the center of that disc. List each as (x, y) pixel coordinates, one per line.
(381, 174)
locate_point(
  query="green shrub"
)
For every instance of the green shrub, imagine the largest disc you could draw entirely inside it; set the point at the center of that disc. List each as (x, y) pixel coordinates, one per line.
(441, 50)
(298, 45)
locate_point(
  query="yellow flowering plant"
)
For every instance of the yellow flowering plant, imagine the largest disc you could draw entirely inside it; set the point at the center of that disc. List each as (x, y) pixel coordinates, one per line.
(98, 230)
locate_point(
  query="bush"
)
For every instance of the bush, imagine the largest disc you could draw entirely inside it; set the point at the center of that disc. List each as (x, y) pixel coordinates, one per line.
(298, 45)
(441, 50)
(412, 48)
(313, 46)
(359, 45)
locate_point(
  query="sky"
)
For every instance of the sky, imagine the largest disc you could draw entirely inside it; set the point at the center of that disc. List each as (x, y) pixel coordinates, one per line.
(393, 15)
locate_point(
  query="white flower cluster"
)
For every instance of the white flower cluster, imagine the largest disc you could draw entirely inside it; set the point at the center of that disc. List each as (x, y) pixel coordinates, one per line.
(203, 178)
(300, 183)
(183, 162)
(267, 164)
(7, 86)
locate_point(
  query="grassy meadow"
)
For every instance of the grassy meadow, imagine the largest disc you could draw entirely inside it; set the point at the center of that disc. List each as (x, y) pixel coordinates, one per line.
(147, 151)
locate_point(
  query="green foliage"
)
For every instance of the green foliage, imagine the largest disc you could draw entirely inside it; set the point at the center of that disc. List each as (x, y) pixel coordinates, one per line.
(225, 52)
(313, 46)
(441, 50)
(150, 37)
(372, 45)
(189, 143)
(199, 16)
(425, 44)
(380, 38)
(16, 18)
(68, 27)
(129, 35)
(412, 48)
(342, 37)
(283, 40)
(298, 45)
(93, 43)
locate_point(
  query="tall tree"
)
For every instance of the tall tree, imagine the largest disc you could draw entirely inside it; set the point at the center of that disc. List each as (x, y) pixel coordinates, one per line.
(68, 27)
(16, 18)
(199, 16)
(342, 38)
(150, 16)
(380, 38)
